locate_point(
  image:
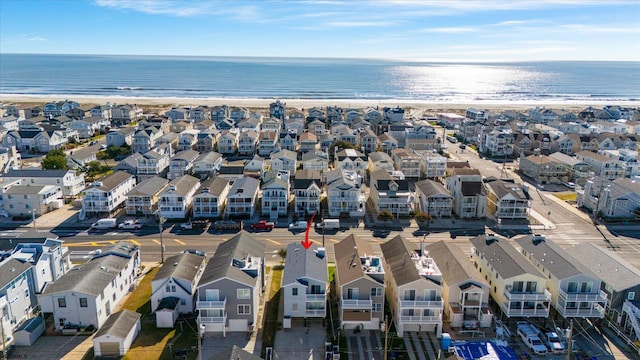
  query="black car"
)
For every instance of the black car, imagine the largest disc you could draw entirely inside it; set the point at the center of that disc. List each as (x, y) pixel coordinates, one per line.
(463, 146)
(381, 233)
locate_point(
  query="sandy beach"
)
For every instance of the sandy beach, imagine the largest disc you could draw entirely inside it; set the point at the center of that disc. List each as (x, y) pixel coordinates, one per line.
(427, 106)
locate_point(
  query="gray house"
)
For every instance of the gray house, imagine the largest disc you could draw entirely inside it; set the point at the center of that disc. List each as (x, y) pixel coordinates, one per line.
(230, 289)
(304, 283)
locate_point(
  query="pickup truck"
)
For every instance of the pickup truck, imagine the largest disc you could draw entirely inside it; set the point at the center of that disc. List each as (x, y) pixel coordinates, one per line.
(530, 336)
(130, 225)
(194, 224)
(263, 225)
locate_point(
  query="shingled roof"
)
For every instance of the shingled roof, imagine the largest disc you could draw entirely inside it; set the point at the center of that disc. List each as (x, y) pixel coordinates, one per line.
(221, 265)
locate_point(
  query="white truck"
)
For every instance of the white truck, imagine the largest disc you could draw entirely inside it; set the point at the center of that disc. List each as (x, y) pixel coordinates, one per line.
(104, 224)
(328, 224)
(530, 336)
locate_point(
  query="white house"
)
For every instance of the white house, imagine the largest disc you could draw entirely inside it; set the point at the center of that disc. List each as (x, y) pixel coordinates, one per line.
(71, 182)
(178, 277)
(307, 187)
(17, 294)
(120, 137)
(284, 160)
(49, 258)
(87, 294)
(614, 199)
(36, 200)
(241, 201)
(275, 197)
(407, 162)
(106, 195)
(507, 200)
(211, 198)
(175, 201)
(117, 335)
(351, 159)
(182, 163)
(468, 191)
(304, 283)
(345, 193)
(390, 194)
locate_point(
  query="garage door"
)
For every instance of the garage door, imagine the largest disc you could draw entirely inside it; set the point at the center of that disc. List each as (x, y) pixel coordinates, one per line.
(238, 325)
(110, 349)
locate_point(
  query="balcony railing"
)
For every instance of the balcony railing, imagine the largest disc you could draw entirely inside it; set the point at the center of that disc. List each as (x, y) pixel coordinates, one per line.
(421, 319)
(595, 311)
(542, 311)
(355, 304)
(414, 304)
(218, 304)
(316, 297)
(315, 312)
(511, 296)
(582, 297)
(213, 320)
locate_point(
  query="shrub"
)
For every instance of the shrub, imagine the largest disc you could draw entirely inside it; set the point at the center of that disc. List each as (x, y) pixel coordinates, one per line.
(423, 216)
(385, 215)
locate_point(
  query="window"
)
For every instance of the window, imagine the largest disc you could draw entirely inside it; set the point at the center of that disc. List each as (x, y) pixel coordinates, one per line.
(62, 302)
(294, 307)
(26, 293)
(377, 291)
(376, 307)
(114, 296)
(243, 293)
(83, 302)
(586, 287)
(315, 289)
(244, 309)
(410, 294)
(183, 302)
(572, 287)
(631, 295)
(294, 291)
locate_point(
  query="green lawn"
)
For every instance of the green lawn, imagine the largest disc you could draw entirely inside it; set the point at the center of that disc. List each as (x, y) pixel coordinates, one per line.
(566, 196)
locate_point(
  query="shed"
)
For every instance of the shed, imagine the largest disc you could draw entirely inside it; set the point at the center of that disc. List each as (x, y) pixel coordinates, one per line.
(27, 333)
(167, 312)
(117, 334)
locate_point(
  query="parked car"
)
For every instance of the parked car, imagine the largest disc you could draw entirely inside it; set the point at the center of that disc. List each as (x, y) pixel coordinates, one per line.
(130, 225)
(195, 252)
(381, 233)
(298, 226)
(570, 185)
(263, 225)
(553, 342)
(103, 147)
(104, 224)
(463, 146)
(194, 224)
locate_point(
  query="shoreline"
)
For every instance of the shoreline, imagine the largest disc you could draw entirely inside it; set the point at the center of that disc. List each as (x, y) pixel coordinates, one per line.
(308, 103)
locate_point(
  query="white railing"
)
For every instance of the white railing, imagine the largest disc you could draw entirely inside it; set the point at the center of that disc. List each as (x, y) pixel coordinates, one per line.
(414, 304)
(591, 297)
(218, 304)
(595, 311)
(634, 316)
(315, 312)
(213, 320)
(546, 296)
(316, 297)
(421, 319)
(355, 304)
(543, 312)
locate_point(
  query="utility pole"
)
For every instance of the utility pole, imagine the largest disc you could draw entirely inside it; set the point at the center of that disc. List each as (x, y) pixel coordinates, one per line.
(199, 337)
(323, 226)
(569, 340)
(4, 349)
(386, 336)
(161, 227)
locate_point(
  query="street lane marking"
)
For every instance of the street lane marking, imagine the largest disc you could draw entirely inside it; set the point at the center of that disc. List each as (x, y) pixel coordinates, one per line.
(273, 242)
(135, 242)
(180, 242)
(94, 243)
(156, 241)
(335, 241)
(112, 241)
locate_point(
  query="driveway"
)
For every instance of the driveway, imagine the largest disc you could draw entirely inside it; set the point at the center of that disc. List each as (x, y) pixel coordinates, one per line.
(301, 342)
(365, 345)
(55, 347)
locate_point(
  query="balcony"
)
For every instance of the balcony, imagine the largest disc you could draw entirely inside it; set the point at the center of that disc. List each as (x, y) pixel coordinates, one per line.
(214, 320)
(356, 304)
(422, 304)
(517, 296)
(316, 297)
(421, 319)
(538, 311)
(211, 304)
(601, 296)
(596, 310)
(315, 312)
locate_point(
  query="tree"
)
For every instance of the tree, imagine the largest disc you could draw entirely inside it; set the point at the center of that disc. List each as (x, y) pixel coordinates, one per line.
(385, 215)
(283, 254)
(55, 159)
(423, 216)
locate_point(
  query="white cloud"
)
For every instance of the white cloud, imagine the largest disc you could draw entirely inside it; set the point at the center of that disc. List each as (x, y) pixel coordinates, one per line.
(591, 29)
(179, 8)
(361, 23)
(492, 5)
(37, 38)
(451, 30)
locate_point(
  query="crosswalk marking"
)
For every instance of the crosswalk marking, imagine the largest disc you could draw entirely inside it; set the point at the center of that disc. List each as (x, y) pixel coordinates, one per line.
(180, 241)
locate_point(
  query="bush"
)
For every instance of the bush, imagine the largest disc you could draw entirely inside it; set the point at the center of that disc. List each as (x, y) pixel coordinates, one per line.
(385, 215)
(423, 216)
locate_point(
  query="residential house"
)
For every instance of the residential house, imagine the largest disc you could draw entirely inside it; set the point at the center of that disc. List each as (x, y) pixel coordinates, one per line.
(182, 163)
(542, 115)
(176, 200)
(71, 182)
(315, 160)
(211, 198)
(407, 162)
(351, 160)
(31, 200)
(125, 114)
(117, 334)
(284, 160)
(316, 113)
(288, 141)
(390, 194)
(35, 140)
(278, 110)
(143, 198)
(611, 199)
(247, 124)
(129, 164)
(206, 141)
(271, 124)
(204, 125)
(227, 143)
(575, 290)
(120, 137)
(345, 134)
(157, 121)
(248, 142)
(380, 161)
(496, 143)
(432, 145)
(275, 197)
(177, 113)
(59, 108)
(308, 142)
(9, 123)
(629, 159)
(413, 283)
(620, 281)
(294, 126)
(304, 283)
(544, 169)
(433, 198)
(334, 114)
(207, 163)
(187, 139)
(450, 120)
(563, 144)
(394, 115)
(603, 166)
(17, 294)
(432, 164)
(238, 113)
(465, 293)
(232, 171)
(241, 201)
(516, 286)
(78, 159)
(468, 191)
(107, 194)
(219, 113)
(369, 141)
(88, 127)
(230, 290)
(307, 188)
(267, 143)
(145, 140)
(578, 171)
(360, 282)
(345, 194)
(326, 141)
(507, 200)
(178, 277)
(255, 167)
(317, 127)
(584, 142)
(88, 293)
(296, 115)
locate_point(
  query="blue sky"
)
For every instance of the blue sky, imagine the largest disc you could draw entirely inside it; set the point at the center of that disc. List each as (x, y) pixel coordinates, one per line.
(429, 30)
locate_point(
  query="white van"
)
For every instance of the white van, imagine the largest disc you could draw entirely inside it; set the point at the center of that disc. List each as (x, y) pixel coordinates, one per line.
(329, 224)
(104, 224)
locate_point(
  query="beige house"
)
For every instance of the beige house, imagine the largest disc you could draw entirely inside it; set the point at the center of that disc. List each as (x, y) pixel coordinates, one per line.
(506, 200)
(143, 198)
(407, 162)
(468, 191)
(515, 284)
(543, 169)
(575, 290)
(413, 287)
(359, 280)
(464, 292)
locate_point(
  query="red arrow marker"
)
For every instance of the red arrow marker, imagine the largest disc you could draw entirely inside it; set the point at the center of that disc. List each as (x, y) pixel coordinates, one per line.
(306, 243)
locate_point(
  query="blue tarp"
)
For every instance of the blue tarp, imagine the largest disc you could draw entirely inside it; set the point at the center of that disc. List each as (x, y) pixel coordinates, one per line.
(472, 350)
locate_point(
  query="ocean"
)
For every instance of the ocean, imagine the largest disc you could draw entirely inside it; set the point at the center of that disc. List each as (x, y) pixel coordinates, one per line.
(316, 78)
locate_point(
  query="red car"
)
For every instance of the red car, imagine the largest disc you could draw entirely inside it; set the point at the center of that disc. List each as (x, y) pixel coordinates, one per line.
(263, 225)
